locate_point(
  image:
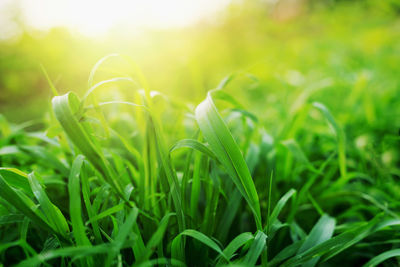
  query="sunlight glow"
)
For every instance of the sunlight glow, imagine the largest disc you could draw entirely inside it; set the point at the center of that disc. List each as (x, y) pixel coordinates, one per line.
(97, 17)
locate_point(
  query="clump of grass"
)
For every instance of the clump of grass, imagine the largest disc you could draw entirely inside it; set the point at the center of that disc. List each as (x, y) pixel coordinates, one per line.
(117, 187)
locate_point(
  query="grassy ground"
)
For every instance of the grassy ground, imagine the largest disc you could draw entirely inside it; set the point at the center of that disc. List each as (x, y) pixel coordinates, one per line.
(292, 160)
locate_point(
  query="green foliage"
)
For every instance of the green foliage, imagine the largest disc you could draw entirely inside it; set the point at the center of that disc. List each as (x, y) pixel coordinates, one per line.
(293, 161)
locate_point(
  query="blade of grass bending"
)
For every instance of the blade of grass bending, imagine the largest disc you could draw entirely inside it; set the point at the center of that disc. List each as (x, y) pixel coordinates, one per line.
(156, 238)
(298, 153)
(286, 253)
(225, 148)
(47, 158)
(16, 179)
(106, 213)
(65, 107)
(53, 214)
(337, 244)
(341, 140)
(303, 191)
(25, 206)
(125, 229)
(167, 167)
(322, 231)
(235, 244)
(257, 247)
(279, 206)
(96, 67)
(176, 243)
(193, 144)
(382, 257)
(112, 80)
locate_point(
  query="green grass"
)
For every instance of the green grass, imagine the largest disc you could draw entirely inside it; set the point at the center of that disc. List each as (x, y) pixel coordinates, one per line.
(293, 166)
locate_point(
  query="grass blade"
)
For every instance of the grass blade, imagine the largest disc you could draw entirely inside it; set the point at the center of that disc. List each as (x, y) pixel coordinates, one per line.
(227, 151)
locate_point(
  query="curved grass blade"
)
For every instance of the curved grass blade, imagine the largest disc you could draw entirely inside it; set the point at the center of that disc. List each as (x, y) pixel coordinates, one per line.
(123, 233)
(157, 237)
(382, 257)
(53, 214)
(237, 243)
(46, 158)
(341, 140)
(298, 153)
(65, 107)
(24, 205)
(227, 151)
(281, 203)
(193, 144)
(16, 179)
(337, 244)
(176, 243)
(322, 231)
(257, 247)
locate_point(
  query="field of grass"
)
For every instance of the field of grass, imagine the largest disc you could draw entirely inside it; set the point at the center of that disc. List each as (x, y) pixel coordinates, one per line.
(255, 141)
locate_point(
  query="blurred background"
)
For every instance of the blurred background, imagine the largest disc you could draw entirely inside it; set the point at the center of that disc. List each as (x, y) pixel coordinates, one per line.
(349, 50)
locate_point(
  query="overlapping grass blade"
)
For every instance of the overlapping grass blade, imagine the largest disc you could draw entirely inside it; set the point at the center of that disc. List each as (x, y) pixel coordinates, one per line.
(193, 144)
(73, 252)
(75, 210)
(322, 231)
(382, 257)
(16, 179)
(227, 151)
(237, 243)
(337, 244)
(279, 206)
(341, 141)
(53, 214)
(157, 237)
(25, 206)
(66, 107)
(257, 247)
(176, 243)
(122, 235)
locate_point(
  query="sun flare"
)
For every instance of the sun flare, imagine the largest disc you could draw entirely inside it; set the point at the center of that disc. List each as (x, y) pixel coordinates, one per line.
(98, 17)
